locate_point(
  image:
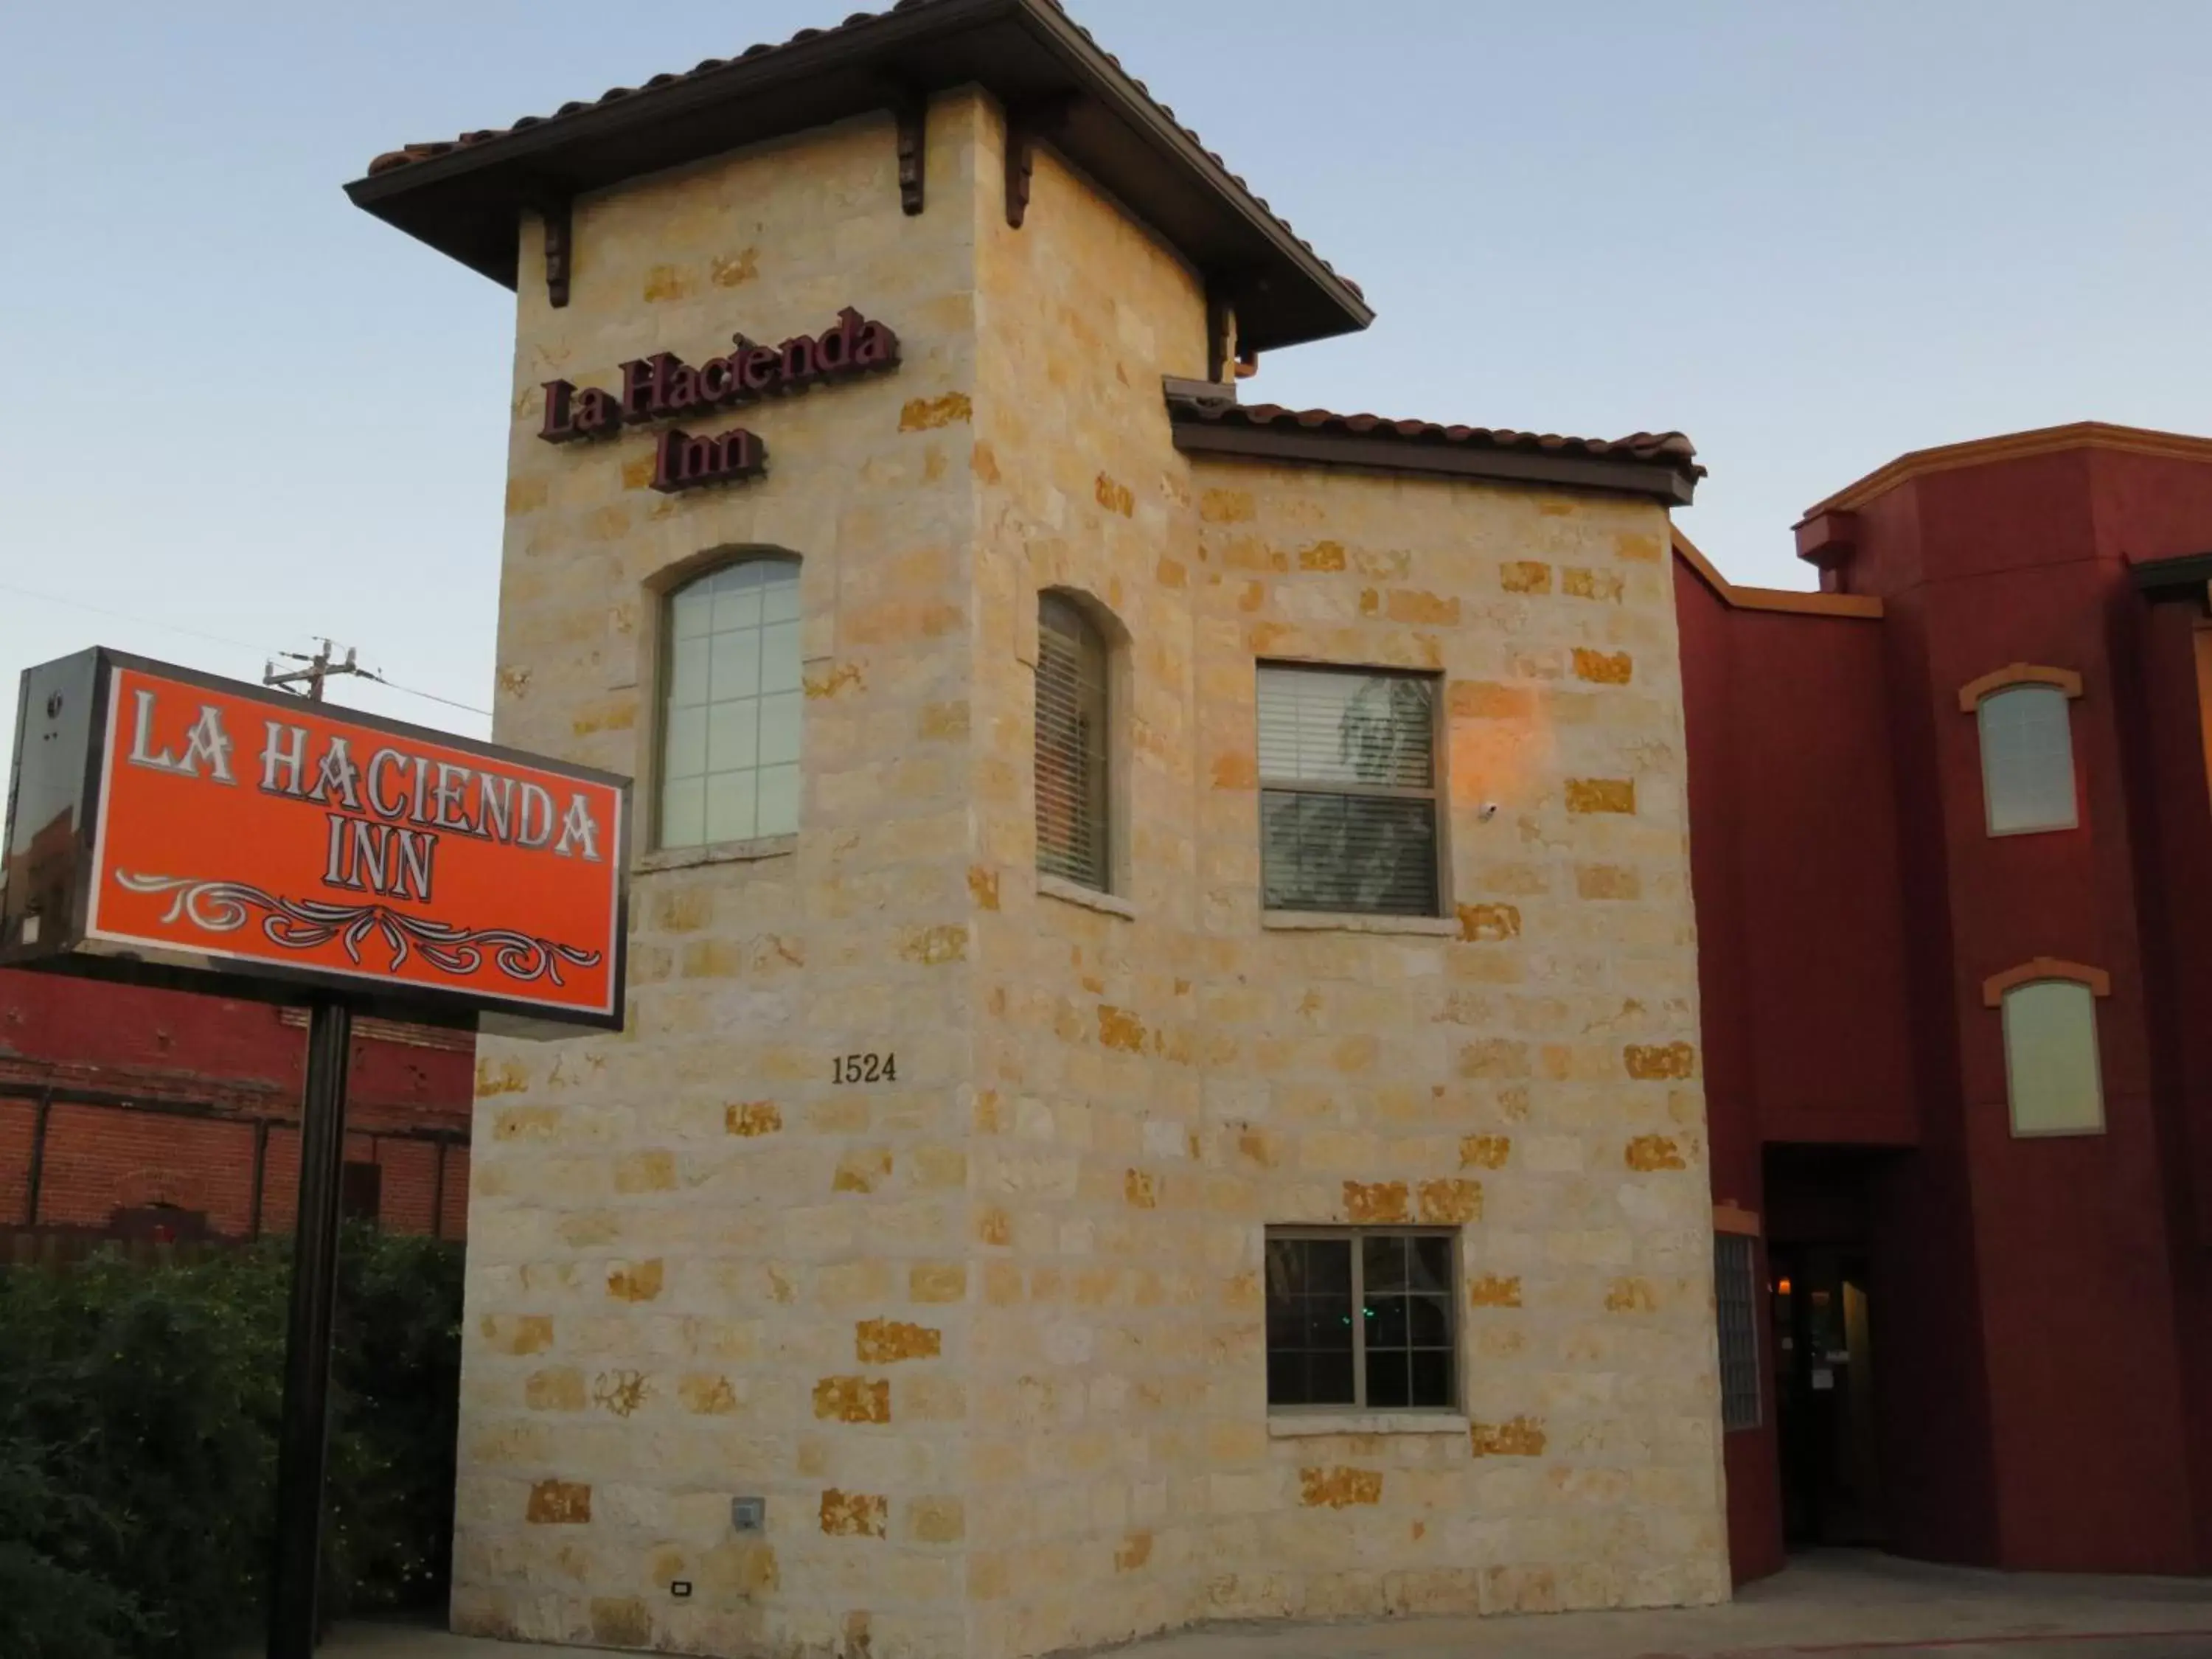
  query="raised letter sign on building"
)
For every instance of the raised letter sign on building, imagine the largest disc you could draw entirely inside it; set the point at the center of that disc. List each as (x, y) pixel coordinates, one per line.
(167, 826)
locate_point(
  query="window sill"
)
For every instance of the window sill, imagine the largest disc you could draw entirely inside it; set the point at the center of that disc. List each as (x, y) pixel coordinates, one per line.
(1323, 921)
(1302, 1425)
(1072, 892)
(727, 852)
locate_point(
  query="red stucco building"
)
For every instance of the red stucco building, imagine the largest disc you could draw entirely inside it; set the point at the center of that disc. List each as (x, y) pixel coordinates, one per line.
(1952, 851)
(153, 1113)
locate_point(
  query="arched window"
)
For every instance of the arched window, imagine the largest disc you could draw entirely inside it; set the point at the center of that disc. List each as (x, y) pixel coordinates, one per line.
(2028, 748)
(730, 706)
(2053, 1078)
(1073, 732)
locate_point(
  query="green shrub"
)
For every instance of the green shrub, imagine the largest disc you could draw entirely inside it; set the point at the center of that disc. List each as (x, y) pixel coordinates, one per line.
(138, 1413)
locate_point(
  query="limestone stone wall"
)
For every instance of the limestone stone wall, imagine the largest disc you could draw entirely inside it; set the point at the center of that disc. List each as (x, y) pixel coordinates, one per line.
(702, 1269)
(989, 1340)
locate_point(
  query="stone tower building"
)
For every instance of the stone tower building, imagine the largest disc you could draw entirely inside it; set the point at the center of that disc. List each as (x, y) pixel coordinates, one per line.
(1159, 1081)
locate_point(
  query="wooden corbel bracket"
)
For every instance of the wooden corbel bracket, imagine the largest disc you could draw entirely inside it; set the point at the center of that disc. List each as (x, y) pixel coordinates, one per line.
(1025, 125)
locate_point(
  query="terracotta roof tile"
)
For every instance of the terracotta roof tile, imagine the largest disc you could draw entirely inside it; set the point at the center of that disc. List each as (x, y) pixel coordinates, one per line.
(1664, 448)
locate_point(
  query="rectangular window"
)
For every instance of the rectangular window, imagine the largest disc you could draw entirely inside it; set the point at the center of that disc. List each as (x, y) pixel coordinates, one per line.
(1735, 1307)
(1348, 790)
(1362, 1320)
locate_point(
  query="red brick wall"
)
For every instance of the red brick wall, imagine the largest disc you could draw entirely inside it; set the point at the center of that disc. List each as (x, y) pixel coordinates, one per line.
(232, 1063)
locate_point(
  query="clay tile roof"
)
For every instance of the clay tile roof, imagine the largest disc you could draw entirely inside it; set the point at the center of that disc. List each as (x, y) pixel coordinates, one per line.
(1661, 463)
(929, 56)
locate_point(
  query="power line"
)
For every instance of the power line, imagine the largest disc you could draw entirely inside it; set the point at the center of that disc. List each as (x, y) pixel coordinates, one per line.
(224, 639)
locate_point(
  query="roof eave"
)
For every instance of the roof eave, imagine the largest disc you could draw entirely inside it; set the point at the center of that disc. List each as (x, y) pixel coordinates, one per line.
(419, 196)
(1671, 484)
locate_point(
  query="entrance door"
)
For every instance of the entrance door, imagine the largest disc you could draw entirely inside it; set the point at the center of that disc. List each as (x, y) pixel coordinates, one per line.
(1830, 1484)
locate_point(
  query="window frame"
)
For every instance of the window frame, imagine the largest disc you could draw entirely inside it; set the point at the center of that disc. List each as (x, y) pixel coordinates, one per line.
(1102, 633)
(1438, 794)
(1975, 698)
(1455, 1313)
(2062, 1132)
(650, 783)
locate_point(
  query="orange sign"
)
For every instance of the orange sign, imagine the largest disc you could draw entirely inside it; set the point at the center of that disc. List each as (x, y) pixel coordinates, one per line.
(265, 834)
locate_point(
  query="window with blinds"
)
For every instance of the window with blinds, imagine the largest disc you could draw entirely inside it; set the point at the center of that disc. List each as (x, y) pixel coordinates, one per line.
(1735, 1311)
(1348, 790)
(2027, 760)
(1071, 735)
(732, 705)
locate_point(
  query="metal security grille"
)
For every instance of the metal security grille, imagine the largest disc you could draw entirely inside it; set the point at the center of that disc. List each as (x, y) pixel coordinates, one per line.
(1347, 791)
(1736, 1306)
(1071, 745)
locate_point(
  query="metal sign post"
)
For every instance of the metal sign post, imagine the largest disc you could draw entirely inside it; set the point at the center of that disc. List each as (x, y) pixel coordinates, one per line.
(303, 1437)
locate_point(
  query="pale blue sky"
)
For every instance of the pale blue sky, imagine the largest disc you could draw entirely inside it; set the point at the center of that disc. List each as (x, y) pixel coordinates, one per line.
(1810, 236)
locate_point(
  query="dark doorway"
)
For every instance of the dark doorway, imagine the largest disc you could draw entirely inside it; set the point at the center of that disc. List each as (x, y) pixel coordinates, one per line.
(1823, 1298)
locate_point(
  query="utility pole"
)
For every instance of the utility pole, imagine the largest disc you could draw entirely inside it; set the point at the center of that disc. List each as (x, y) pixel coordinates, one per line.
(319, 668)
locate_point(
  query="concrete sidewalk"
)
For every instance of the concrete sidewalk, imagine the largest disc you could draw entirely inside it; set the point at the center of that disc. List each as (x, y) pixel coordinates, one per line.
(1838, 1603)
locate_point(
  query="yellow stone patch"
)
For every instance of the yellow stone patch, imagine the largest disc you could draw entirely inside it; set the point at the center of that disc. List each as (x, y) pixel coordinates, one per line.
(932, 946)
(637, 471)
(943, 719)
(1484, 1152)
(853, 1514)
(1603, 667)
(828, 681)
(1601, 795)
(1494, 1290)
(1408, 605)
(994, 1227)
(1649, 1152)
(1338, 1488)
(887, 1341)
(1640, 548)
(1667, 1059)
(1133, 1551)
(853, 1399)
(861, 1171)
(561, 1390)
(1114, 497)
(1227, 506)
(1451, 1202)
(1374, 1202)
(1480, 699)
(983, 887)
(705, 1394)
(517, 1333)
(646, 1172)
(526, 494)
(620, 1392)
(1607, 881)
(1489, 923)
(1321, 555)
(983, 462)
(665, 283)
(509, 1077)
(1236, 771)
(1525, 576)
(928, 1281)
(733, 270)
(1120, 1029)
(1602, 585)
(920, 414)
(1494, 1057)
(636, 1282)
(752, 1117)
(1138, 1187)
(559, 1503)
(1631, 1295)
(1520, 1436)
(1171, 573)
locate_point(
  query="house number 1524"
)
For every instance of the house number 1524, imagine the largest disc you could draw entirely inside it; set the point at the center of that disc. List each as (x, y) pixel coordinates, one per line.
(865, 1068)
